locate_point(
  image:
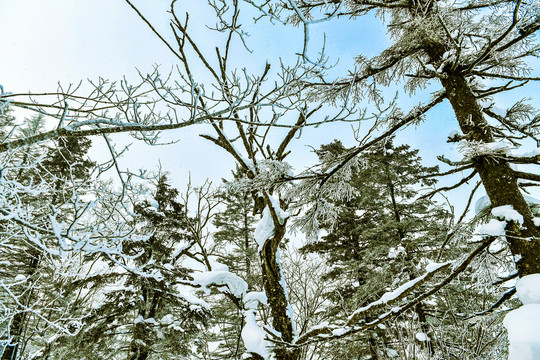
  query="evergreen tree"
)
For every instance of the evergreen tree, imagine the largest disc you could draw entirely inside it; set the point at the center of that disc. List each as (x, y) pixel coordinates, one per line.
(21, 258)
(142, 311)
(63, 171)
(237, 249)
(6, 122)
(66, 165)
(234, 234)
(382, 232)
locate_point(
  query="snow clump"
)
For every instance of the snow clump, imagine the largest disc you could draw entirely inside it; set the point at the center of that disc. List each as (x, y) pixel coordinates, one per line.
(497, 227)
(484, 203)
(167, 319)
(254, 337)
(528, 289)
(265, 227)
(493, 228)
(20, 277)
(508, 213)
(236, 285)
(394, 253)
(254, 298)
(523, 324)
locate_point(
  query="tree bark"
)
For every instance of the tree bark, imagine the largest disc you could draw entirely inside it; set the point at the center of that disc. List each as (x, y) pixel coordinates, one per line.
(12, 348)
(499, 180)
(246, 237)
(16, 327)
(497, 177)
(277, 298)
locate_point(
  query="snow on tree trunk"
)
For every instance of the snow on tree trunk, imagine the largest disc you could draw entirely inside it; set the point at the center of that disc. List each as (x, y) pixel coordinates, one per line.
(497, 177)
(269, 240)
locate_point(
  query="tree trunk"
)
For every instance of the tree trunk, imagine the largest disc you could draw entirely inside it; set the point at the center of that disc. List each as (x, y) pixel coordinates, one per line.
(395, 208)
(12, 348)
(19, 320)
(419, 308)
(140, 347)
(497, 177)
(138, 352)
(246, 239)
(373, 346)
(277, 299)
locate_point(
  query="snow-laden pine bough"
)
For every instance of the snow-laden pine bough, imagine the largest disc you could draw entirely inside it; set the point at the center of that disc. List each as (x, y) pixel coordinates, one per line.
(434, 42)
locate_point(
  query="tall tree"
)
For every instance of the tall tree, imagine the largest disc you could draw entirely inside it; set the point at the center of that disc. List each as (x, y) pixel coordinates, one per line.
(63, 175)
(454, 45)
(235, 226)
(382, 231)
(236, 248)
(455, 48)
(449, 44)
(140, 309)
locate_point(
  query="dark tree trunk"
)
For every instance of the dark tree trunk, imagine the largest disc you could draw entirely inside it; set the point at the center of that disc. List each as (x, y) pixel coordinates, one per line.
(12, 348)
(277, 298)
(140, 347)
(18, 323)
(497, 177)
(373, 347)
(246, 240)
(138, 352)
(419, 308)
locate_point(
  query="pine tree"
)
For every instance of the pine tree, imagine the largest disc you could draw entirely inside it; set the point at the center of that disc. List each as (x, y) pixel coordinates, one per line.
(237, 249)
(382, 232)
(20, 258)
(141, 311)
(6, 122)
(234, 235)
(66, 165)
(65, 170)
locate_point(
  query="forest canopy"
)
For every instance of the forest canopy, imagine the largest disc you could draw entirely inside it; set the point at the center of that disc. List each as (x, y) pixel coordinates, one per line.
(369, 251)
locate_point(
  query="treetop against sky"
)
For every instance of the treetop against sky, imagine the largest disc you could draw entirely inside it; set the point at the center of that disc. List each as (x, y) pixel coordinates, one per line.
(264, 103)
(64, 42)
(105, 39)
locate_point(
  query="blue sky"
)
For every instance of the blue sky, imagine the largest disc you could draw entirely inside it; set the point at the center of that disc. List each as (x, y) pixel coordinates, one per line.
(46, 42)
(63, 40)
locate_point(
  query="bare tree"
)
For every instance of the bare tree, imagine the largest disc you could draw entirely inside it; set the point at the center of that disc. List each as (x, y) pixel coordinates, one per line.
(245, 134)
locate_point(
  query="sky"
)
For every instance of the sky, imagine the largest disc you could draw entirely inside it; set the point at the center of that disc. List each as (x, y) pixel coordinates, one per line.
(47, 42)
(64, 41)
